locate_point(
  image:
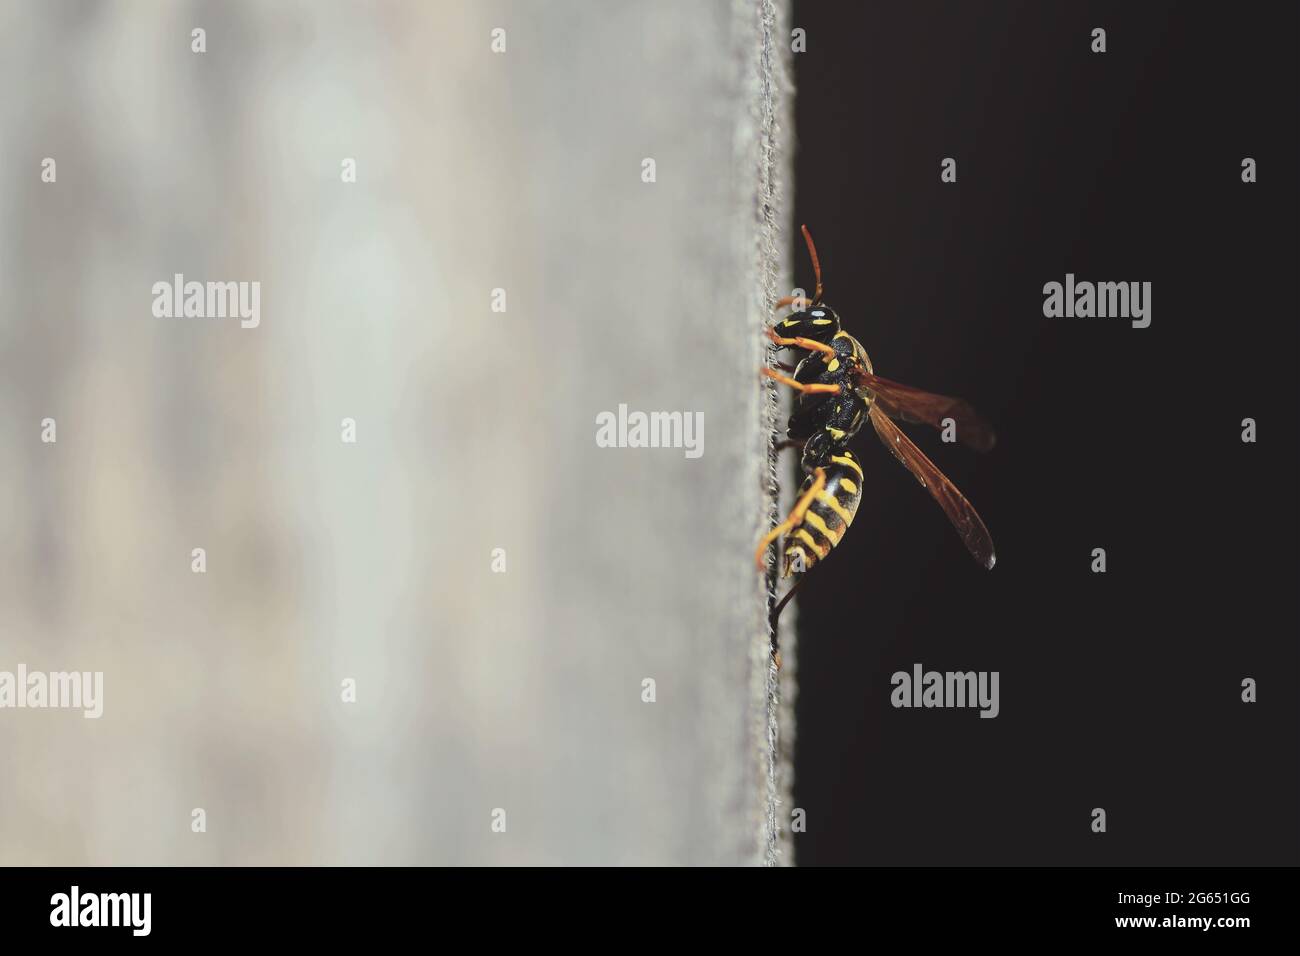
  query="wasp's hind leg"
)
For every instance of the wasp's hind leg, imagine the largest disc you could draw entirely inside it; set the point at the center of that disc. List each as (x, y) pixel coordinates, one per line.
(793, 519)
(775, 616)
(774, 619)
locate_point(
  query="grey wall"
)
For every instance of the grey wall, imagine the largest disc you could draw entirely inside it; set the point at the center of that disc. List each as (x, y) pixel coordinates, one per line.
(475, 430)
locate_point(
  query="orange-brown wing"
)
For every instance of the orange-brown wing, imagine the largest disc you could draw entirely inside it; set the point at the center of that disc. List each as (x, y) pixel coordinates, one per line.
(913, 405)
(954, 504)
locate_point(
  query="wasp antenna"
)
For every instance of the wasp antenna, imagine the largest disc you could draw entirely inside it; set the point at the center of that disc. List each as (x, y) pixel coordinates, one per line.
(817, 266)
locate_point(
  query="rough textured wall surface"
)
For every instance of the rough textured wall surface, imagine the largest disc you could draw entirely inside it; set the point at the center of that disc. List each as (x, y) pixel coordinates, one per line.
(485, 680)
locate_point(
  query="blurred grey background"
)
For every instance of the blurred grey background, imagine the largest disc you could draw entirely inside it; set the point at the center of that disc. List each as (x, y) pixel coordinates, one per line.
(372, 561)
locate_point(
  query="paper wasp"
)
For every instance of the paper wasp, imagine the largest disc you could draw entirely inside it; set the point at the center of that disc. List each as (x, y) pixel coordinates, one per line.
(838, 391)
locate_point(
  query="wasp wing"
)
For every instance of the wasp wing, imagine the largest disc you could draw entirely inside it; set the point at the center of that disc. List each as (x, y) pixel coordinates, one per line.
(959, 511)
(913, 405)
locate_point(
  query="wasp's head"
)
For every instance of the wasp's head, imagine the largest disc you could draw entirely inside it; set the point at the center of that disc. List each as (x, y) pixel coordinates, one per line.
(821, 313)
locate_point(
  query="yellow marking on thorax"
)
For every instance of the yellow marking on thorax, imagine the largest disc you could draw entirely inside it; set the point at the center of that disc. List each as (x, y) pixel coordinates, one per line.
(832, 365)
(846, 460)
(836, 433)
(852, 488)
(823, 321)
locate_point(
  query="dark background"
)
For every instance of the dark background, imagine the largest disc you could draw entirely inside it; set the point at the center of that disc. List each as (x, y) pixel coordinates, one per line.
(1119, 690)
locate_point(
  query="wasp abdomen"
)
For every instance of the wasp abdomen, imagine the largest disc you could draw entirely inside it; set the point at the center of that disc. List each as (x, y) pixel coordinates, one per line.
(829, 513)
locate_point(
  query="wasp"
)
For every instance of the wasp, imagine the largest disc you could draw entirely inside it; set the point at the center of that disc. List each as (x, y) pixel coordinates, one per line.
(838, 393)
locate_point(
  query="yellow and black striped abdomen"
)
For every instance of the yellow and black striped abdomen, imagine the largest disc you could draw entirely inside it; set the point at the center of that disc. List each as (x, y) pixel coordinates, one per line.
(828, 516)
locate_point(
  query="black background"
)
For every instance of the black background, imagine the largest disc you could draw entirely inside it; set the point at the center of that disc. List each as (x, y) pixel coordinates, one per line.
(1119, 690)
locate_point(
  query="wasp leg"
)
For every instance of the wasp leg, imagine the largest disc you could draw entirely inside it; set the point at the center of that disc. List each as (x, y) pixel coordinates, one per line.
(793, 520)
(776, 611)
(812, 345)
(775, 618)
(785, 443)
(800, 302)
(783, 366)
(815, 389)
